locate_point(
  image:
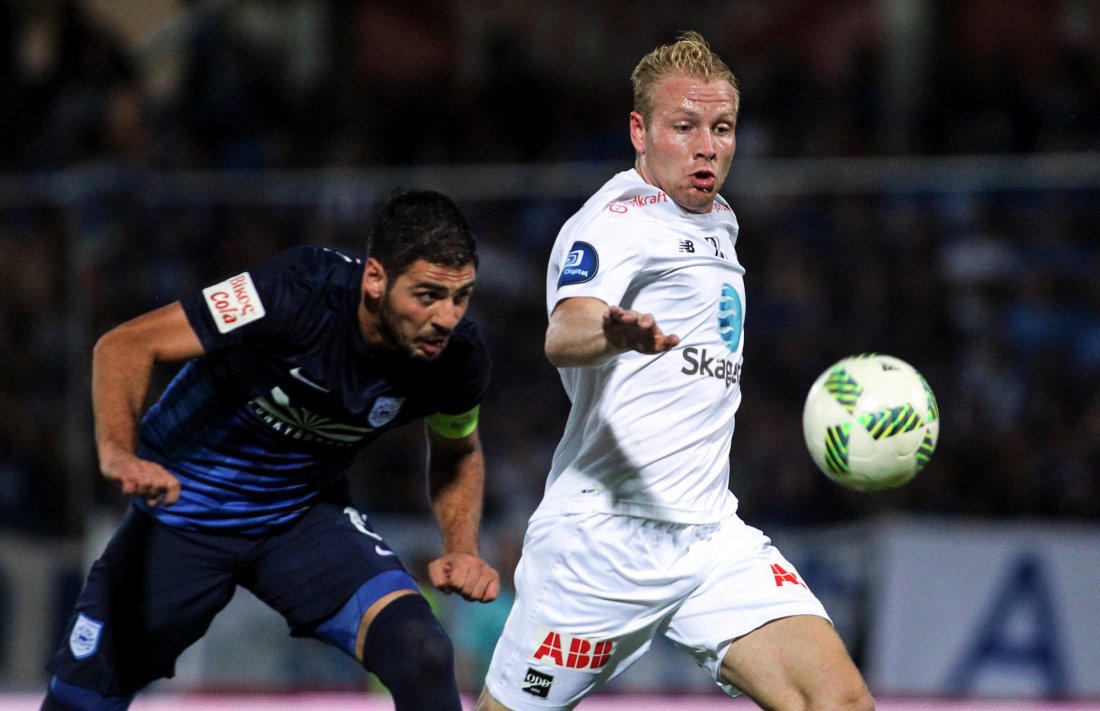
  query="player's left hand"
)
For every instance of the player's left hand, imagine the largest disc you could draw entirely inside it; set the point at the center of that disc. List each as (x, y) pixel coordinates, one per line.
(465, 574)
(626, 329)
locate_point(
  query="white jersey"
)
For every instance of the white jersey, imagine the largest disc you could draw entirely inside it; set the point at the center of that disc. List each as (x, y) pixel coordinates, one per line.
(649, 435)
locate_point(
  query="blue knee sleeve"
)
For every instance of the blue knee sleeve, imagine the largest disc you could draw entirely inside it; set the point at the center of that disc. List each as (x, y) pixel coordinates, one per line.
(412, 656)
(342, 628)
(64, 696)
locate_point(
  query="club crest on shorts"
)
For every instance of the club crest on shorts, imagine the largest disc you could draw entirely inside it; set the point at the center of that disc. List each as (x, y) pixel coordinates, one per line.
(384, 410)
(84, 639)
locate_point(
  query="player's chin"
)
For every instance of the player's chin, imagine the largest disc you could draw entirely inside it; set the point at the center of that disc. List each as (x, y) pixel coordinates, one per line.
(697, 200)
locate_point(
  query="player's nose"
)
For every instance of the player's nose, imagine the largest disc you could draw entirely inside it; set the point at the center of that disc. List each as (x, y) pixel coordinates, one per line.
(447, 315)
(705, 145)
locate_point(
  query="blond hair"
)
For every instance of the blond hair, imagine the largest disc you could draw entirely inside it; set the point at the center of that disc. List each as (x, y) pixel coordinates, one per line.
(688, 56)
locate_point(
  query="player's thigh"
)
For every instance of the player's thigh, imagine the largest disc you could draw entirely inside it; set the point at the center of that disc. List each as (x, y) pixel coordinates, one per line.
(796, 662)
(592, 590)
(748, 583)
(330, 559)
(152, 593)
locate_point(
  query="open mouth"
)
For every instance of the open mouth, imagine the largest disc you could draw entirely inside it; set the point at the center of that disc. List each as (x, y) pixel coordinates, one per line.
(703, 180)
(433, 346)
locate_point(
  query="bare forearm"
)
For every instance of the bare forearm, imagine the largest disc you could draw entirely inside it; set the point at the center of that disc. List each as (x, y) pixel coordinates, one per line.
(586, 332)
(122, 365)
(457, 488)
(572, 346)
(576, 336)
(120, 382)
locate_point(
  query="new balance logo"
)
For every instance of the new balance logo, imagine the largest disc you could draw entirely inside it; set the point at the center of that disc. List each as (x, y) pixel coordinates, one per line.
(783, 576)
(536, 683)
(686, 245)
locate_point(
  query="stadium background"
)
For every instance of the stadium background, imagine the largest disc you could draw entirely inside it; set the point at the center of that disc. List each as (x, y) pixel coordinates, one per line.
(914, 177)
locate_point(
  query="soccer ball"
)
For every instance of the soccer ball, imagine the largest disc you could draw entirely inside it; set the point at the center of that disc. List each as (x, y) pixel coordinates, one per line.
(871, 422)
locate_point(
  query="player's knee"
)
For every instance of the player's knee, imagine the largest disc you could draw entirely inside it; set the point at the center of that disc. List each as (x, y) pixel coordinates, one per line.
(412, 655)
(856, 697)
(63, 696)
(847, 695)
(406, 628)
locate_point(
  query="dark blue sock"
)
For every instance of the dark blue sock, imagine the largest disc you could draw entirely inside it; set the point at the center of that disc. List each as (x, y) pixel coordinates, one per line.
(410, 653)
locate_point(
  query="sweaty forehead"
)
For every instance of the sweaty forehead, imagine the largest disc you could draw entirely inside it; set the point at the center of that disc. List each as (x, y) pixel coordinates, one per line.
(693, 93)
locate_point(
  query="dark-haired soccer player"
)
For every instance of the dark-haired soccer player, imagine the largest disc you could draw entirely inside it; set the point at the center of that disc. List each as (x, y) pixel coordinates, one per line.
(238, 472)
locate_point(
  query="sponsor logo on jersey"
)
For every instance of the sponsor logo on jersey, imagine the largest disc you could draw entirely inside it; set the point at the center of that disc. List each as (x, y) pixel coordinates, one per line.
(299, 423)
(384, 410)
(581, 264)
(623, 206)
(233, 302)
(730, 317)
(297, 374)
(697, 361)
(568, 652)
(84, 639)
(784, 576)
(536, 683)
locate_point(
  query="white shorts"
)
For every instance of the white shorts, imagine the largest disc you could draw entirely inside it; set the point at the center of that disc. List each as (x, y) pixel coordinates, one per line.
(592, 590)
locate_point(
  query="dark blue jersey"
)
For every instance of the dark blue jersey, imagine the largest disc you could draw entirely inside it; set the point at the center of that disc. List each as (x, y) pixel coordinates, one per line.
(270, 417)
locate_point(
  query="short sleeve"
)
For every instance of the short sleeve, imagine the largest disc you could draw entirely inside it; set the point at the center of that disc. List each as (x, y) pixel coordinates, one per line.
(264, 303)
(600, 260)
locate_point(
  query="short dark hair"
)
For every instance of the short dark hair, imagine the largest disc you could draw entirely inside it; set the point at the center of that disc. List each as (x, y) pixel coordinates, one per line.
(421, 224)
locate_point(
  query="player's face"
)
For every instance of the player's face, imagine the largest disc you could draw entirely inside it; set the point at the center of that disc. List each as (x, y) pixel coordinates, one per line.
(421, 307)
(686, 145)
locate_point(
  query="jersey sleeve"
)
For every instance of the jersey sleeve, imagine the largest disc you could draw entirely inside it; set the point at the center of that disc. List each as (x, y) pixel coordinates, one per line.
(268, 302)
(598, 260)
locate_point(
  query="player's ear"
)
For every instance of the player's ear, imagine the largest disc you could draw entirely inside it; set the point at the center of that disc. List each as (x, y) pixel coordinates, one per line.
(374, 279)
(637, 131)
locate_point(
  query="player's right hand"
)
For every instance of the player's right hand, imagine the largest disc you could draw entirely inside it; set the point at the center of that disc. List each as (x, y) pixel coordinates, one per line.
(139, 477)
(627, 329)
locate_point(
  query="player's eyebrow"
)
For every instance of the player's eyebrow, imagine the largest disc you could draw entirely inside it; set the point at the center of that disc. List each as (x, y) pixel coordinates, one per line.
(442, 286)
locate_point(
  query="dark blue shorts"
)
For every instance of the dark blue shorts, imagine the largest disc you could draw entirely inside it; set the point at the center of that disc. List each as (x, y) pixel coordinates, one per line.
(156, 589)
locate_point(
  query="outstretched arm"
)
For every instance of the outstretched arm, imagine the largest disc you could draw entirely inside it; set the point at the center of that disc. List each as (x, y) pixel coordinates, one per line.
(456, 480)
(122, 366)
(586, 331)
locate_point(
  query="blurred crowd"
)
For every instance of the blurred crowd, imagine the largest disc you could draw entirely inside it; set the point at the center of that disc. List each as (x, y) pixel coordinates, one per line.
(992, 294)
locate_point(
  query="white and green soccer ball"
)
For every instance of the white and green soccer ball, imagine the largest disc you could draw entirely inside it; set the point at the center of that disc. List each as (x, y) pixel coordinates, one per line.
(871, 422)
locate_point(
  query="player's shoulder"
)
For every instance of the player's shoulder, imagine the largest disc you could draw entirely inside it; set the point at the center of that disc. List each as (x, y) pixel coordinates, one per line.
(310, 267)
(610, 215)
(465, 359)
(623, 198)
(466, 339)
(309, 257)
